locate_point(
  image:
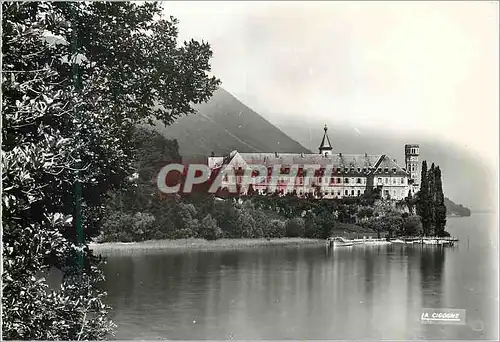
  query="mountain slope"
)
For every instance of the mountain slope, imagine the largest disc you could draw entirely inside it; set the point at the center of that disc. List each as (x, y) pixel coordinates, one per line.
(224, 124)
(453, 209)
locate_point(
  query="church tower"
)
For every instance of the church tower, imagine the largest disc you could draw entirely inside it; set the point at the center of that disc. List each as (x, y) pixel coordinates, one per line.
(325, 148)
(412, 151)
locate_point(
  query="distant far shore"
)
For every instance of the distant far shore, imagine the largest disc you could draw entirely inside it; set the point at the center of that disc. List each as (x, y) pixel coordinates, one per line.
(201, 244)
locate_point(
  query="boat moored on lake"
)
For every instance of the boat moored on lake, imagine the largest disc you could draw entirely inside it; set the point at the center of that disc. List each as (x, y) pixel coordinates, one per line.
(341, 242)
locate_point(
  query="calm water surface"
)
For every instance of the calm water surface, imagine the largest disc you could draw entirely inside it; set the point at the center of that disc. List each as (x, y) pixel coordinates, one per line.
(308, 292)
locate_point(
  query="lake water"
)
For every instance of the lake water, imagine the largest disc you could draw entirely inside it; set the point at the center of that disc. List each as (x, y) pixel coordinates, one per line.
(308, 292)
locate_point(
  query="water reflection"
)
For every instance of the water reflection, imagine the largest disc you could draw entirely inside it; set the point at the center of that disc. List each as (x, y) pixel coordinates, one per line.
(296, 293)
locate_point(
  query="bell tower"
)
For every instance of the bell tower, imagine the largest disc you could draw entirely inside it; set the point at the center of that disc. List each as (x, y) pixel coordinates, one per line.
(325, 148)
(412, 151)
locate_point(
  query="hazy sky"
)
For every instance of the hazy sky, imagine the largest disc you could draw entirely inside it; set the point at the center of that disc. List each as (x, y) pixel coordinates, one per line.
(424, 67)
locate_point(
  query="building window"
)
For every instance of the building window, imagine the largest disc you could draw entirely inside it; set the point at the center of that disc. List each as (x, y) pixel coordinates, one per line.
(338, 170)
(339, 180)
(359, 169)
(380, 181)
(386, 170)
(319, 180)
(346, 180)
(352, 192)
(358, 181)
(402, 181)
(394, 181)
(346, 192)
(386, 180)
(338, 193)
(364, 170)
(332, 180)
(359, 192)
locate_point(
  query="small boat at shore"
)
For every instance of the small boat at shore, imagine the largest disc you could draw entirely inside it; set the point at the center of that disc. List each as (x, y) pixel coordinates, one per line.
(341, 242)
(446, 242)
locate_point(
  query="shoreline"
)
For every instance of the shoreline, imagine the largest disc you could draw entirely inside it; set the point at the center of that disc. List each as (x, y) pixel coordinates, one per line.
(201, 244)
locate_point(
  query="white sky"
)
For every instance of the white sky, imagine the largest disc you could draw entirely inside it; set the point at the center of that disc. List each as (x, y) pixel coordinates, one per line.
(428, 67)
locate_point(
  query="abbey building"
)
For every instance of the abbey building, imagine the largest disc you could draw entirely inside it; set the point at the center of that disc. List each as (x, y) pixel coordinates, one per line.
(336, 175)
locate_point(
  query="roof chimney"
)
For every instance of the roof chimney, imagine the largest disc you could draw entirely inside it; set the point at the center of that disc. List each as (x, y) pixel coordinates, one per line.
(212, 154)
(276, 154)
(340, 154)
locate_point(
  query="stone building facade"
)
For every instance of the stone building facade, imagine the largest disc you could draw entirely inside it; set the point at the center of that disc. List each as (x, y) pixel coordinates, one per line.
(338, 175)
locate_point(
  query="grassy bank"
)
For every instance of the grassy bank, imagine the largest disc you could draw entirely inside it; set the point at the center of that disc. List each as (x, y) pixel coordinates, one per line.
(200, 244)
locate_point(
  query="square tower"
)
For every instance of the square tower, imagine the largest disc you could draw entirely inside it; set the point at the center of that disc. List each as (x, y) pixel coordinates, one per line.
(412, 151)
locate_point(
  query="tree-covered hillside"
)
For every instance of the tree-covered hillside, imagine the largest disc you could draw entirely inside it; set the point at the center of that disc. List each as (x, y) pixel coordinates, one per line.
(453, 209)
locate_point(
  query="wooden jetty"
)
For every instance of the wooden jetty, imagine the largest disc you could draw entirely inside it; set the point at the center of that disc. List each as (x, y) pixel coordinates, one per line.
(426, 240)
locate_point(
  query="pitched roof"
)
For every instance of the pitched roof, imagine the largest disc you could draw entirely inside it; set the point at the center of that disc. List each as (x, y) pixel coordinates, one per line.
(386, 164)
(347, 163)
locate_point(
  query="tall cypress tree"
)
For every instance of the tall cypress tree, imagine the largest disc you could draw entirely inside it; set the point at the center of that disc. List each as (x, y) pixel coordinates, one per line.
(440, 209)
(423, 200)
(410, 203)
(431, 179)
